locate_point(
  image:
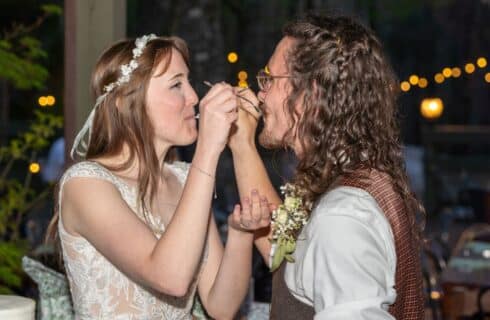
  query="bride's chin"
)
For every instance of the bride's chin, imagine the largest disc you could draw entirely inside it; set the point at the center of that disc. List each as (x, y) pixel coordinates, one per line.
(193, 137)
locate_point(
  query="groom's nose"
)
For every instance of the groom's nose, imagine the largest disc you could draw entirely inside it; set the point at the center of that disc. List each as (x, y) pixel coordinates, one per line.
(261, 96)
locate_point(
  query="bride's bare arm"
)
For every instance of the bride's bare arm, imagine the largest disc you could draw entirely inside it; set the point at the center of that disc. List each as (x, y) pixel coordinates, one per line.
(95, 210)
(226, 275)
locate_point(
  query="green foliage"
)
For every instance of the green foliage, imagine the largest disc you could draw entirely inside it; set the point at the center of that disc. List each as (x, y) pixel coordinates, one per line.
(52, 9)
(10, 271)
(20, 56)
(18, 197)
(22, 73)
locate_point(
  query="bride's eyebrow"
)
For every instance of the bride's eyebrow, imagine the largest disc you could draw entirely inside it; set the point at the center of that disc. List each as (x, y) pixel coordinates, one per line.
(178, 75)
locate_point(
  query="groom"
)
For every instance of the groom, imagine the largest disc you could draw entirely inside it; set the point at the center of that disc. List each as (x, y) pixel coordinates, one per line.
(329, 94)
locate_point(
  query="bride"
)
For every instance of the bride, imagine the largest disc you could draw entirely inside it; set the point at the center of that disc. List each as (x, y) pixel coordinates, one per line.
(136, 231)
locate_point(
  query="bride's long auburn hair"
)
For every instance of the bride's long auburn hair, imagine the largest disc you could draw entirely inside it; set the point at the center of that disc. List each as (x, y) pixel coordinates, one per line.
(128, 122)
(348, 91)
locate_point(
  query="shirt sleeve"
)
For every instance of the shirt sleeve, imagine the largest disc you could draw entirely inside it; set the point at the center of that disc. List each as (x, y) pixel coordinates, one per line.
(346, 269)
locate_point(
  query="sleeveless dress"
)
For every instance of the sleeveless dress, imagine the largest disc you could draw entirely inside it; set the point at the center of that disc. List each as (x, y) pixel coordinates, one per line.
(99, 290)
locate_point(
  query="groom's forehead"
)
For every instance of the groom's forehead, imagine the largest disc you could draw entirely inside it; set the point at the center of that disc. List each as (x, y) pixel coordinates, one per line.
(277, 62)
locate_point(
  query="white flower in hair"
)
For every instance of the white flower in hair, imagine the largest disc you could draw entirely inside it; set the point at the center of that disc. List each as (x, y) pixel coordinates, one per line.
(127, 69)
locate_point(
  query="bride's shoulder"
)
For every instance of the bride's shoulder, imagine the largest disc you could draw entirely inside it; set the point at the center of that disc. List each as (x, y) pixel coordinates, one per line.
(86, 169)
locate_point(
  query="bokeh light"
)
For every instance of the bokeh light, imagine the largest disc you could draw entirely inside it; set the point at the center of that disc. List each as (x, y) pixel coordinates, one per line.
(34, 167)
(405, 86)
(481, 62)
(469, 68)
(446, 72)
(439, 78)
(423, 83)
(414, 79)
(242, 75)
(43, 101)
(456, 72)
(232, 57)
(431, 108)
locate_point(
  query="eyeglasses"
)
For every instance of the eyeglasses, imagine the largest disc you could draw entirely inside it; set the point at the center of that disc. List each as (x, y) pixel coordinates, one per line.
(264, 79)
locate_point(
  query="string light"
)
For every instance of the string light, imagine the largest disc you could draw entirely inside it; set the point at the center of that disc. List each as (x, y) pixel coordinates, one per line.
(469, 68)
(456, 72)
(50, 101)
(232, 57)
(405, 86)
(481, 62)
(242, 75)
(414, 79)
(45, 101)
(34, 167)
(446, 72)
(439, 78)
(42, 101)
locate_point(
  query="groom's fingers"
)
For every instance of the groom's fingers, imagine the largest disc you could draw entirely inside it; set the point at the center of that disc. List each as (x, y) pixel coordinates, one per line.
(236, 213)
(246, 216)
(256, 207)
(264, 210)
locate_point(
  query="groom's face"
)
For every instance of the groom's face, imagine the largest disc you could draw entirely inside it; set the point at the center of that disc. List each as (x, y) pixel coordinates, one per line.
(274, 97)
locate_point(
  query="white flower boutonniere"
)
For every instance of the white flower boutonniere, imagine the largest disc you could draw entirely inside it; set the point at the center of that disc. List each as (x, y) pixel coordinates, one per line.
(287, 221)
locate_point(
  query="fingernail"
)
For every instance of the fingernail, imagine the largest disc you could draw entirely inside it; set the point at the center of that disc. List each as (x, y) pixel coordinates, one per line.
(254, 191)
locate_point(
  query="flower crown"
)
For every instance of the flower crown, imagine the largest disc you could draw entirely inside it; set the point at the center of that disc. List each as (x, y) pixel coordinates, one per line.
(126, 71)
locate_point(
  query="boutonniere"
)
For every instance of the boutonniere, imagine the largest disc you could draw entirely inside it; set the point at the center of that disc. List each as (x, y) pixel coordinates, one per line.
(287, 221)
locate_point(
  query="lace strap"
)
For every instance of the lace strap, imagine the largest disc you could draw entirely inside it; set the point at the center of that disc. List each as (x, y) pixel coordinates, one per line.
(90, 169)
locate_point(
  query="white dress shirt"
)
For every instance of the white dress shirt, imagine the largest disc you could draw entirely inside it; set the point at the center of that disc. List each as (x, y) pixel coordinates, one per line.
(345, 258)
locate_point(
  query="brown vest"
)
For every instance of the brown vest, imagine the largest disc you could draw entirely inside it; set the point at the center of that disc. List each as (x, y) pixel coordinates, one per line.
(409, 303)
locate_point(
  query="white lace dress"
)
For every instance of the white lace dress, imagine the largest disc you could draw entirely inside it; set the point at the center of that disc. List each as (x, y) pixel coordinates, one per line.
(99, 290)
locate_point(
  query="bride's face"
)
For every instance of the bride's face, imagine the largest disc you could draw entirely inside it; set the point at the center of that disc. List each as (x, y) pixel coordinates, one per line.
(170, 101)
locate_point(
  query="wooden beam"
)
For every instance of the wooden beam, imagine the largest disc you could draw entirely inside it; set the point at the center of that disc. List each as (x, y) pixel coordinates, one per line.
(90, 27)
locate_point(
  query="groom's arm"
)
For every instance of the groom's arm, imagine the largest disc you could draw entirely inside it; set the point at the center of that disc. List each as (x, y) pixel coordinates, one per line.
(251, 174)
(249, 168)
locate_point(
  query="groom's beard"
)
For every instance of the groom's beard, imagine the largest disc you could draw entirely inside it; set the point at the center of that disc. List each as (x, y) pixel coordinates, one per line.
(267, 138)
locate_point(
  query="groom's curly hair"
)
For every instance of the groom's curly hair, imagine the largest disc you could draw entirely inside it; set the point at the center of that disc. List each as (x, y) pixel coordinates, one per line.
(348, 94)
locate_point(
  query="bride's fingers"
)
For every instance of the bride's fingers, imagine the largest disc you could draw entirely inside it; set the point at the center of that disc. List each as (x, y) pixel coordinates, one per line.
(215, 90)
(217, 93)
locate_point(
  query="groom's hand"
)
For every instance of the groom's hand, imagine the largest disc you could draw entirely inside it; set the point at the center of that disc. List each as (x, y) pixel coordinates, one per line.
(243, 130)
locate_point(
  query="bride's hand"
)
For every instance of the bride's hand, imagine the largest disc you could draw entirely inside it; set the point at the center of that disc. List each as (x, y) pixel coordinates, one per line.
(218, 110)
(243, 130)
(253, 214)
